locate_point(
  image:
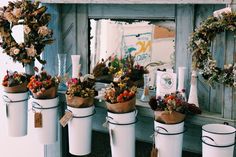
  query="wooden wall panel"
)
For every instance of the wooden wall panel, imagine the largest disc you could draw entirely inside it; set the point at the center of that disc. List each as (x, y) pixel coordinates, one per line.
(184, 28)
(51, 51)
(82, 36)
(228, 91)
(68, 33)
(201, 13)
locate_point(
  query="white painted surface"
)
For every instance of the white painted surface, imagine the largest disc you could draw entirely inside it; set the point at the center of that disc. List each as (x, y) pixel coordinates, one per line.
(80, 130)
(48, 134)
(17, 113)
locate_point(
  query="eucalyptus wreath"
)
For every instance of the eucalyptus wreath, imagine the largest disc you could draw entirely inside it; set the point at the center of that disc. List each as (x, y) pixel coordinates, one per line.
(202, 58)
(37, 35)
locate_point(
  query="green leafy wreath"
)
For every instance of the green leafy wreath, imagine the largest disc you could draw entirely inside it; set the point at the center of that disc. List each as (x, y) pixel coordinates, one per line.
(200, 42)
(37, 35)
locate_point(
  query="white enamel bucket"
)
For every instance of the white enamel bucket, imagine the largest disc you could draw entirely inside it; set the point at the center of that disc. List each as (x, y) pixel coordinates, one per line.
(169, 139)
(49, 110)
(17, 113)
(218, 140)
(122, 133)
(80, 130)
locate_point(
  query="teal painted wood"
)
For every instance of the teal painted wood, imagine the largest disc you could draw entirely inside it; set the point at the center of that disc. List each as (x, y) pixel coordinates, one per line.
(216, 93)
(82, 37)
(51, 51)
(68, 33)
(228, 92)
(184, 28)
(134, 11)
(201, 13)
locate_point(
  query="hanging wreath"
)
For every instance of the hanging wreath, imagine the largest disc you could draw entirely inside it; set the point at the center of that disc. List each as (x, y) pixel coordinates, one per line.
(35, 26)
(202, 58)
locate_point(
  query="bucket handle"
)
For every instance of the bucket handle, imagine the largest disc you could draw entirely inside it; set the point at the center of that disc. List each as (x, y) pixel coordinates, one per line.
(36, 105)
(75, 116)
(8, 100)
(209, 139)
(156, 130)
(218, 146)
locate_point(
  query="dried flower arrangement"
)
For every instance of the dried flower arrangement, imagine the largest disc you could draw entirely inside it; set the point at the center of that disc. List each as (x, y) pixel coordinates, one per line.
(81, 91)
(172, 108)
(116, 66)
(14, 82)
(42, 85)
(120, 96)
(35, 22)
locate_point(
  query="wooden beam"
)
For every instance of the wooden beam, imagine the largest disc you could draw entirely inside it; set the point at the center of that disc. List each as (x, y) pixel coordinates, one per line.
(139, 1)
(131, 11)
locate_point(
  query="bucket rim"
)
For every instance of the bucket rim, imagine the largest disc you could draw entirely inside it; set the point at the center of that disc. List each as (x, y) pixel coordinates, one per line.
(45, 99)
(120, 112)
(81, 107)
(17, 92)
(219, 133)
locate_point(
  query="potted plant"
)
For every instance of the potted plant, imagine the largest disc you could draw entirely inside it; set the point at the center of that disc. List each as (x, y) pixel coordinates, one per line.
(16, 99)
(81, 91)
(79, 98)
(120, 96)
(105, 72)
(169, 113)
(120, 101)
(43, 87)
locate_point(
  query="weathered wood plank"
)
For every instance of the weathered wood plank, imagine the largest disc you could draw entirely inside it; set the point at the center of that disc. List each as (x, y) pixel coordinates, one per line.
(184, 28)
(140, 1)
(52, 50)
(82, 33)
(228, 92)
(218, 53)
(68, 33)
(132, 11)
(202, 12)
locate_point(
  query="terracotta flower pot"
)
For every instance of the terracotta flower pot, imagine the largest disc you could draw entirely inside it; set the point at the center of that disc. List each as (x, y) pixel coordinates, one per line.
(123, 107)
(169, 117)
(17, 89)
(78, 102)
(47, 94)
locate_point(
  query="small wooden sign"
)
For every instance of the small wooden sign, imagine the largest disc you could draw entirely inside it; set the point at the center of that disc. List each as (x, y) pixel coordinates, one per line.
(66, 118)
(38, 120)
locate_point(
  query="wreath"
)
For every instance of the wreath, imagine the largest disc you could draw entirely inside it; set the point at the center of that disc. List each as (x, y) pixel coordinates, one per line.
(35, 21)
(200, 42)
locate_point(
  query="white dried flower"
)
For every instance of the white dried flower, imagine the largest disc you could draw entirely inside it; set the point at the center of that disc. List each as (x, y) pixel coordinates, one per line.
(27, 30)
(17, 12)
(89, 76)
(16, 51)
(31, 51)
(43, 31)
